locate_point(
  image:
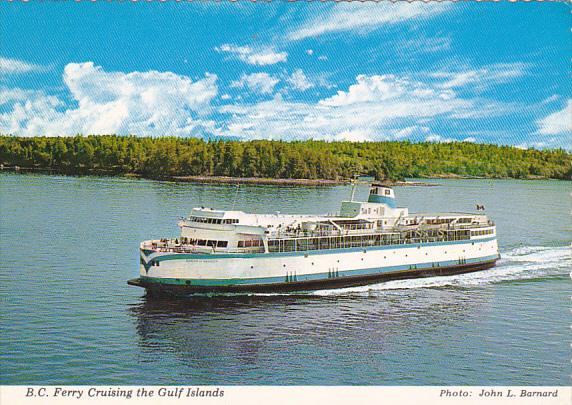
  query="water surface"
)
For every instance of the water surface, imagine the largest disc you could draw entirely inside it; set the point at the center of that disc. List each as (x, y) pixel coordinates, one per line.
(69, 244)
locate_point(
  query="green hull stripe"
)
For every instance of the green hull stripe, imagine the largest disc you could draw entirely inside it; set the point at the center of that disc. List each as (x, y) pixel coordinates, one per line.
(317, 276)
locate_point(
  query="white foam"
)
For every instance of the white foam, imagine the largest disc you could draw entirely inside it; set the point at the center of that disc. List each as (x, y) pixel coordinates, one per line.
(517, 264)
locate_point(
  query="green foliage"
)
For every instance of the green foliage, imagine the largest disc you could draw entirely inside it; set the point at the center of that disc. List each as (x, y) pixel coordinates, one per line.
(170, 156)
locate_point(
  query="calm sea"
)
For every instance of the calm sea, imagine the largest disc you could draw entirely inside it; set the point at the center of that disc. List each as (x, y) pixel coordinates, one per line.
(67, 316)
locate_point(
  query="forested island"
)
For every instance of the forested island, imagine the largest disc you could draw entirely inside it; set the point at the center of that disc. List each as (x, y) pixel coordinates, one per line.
(172, 157)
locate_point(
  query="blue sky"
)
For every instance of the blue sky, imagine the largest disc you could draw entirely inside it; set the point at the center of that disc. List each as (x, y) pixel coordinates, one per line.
(475, 72)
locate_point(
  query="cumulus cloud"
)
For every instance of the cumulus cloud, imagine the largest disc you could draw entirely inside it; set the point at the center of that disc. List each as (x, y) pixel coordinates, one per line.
(15, 66)
(379, 88)
(373, 107)
(299, 81)
(557, 123)
(438, 139)
(260, 83)
(142, 103)
(364, 18)
(370, 109)
(252, 56)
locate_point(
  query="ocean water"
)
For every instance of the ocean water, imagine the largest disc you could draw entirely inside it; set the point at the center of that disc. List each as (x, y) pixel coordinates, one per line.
(69, 244)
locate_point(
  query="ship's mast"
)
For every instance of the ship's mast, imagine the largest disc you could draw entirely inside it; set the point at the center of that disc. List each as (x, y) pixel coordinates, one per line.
(354, 185)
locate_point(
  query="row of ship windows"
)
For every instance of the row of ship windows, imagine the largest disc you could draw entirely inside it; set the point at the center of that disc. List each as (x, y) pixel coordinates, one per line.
(214, 220)
(250, 243)
(204, 242)
(482, 232)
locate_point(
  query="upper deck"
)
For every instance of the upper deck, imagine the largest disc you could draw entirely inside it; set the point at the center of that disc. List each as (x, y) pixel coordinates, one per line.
(359, 224)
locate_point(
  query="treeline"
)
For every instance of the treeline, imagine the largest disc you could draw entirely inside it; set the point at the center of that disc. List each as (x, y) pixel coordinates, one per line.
(169, 156)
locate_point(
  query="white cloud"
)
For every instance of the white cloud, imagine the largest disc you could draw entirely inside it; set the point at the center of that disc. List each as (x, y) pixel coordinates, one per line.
(299, 81)
(423, 45)
(411, 132)
(376, 88)
(482, 77)
(371, 109)
(15, 66)
(438, 139)
(356, 135)
(310, 52)
(142, 103)
(261, 83)
(8, 95)
(254, 57)
(557, 123)
(322, 57)
(364, 18)
(550, 99)
(225, 97)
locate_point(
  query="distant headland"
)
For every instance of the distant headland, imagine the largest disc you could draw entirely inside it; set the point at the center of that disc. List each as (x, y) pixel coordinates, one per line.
(278, 162)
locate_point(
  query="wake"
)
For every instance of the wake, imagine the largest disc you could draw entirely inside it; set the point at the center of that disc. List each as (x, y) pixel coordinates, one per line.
(523, 263)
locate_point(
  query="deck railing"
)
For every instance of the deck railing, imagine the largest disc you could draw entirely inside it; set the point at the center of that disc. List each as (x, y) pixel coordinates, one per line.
(307, 241)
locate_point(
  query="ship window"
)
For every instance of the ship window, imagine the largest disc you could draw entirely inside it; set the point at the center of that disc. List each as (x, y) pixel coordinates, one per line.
(240, 243)
(387, 192)
(222, 243)
(201, 242)
(211, 243)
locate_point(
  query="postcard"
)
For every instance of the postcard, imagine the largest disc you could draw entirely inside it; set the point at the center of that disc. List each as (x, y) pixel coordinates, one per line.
(269, 201)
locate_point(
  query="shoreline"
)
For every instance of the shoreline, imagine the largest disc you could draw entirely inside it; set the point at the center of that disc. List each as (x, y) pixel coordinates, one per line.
(256, 180)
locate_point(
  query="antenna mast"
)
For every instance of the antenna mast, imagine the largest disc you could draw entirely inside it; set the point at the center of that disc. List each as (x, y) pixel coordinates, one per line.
(354, 185)
(236, 195)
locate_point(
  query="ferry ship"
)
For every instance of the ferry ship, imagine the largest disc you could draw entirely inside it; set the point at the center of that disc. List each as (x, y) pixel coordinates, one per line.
(367, 242)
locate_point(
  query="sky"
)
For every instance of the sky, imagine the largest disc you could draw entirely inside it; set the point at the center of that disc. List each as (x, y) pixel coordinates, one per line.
(474, 72)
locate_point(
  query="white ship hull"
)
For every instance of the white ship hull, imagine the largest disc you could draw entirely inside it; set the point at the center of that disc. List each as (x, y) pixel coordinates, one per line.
(184, 273)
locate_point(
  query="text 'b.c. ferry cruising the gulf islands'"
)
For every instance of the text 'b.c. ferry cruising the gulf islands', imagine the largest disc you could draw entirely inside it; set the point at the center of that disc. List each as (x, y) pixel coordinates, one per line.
(368, 242)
